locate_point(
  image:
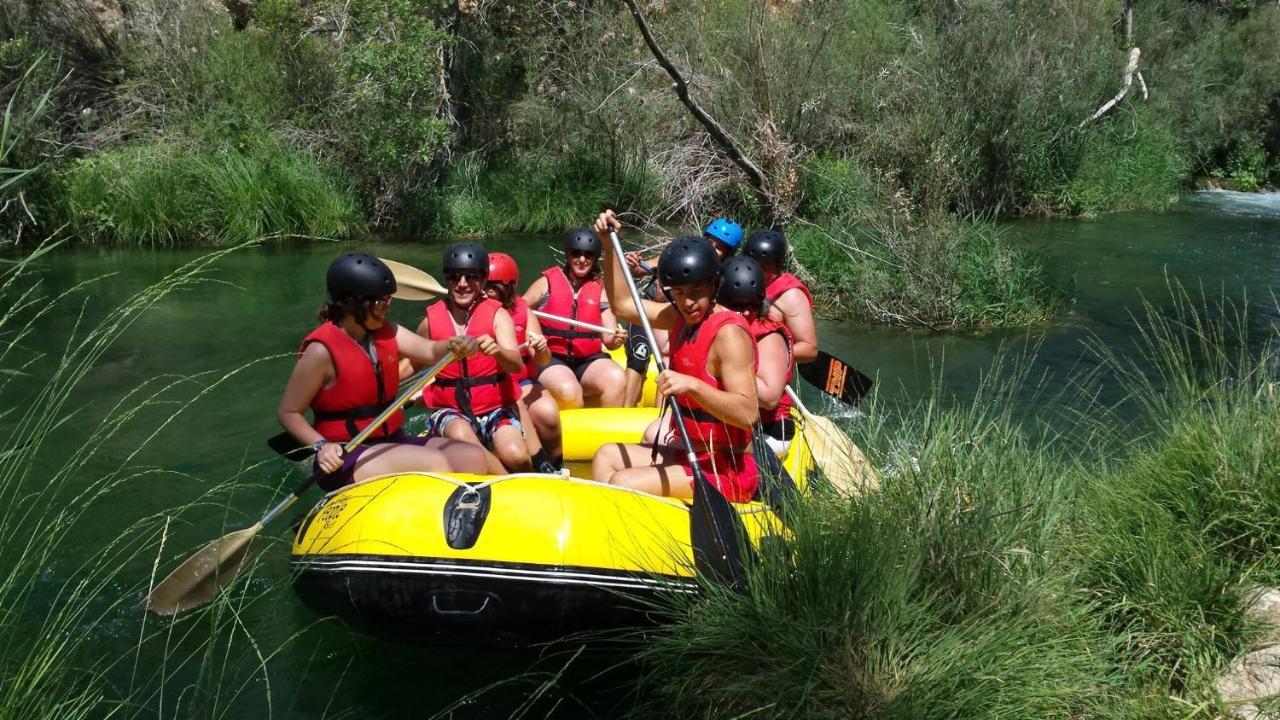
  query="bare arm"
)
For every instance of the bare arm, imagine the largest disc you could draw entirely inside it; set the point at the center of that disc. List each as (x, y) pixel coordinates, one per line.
(661, 315)
(312, 372)
(532, 330)
(771, 375)
(536, 294)
(798, 316)
(504, 332)
(418, 348)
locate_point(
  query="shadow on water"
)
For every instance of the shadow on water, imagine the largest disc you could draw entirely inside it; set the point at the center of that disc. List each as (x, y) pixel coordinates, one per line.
(1215, 244)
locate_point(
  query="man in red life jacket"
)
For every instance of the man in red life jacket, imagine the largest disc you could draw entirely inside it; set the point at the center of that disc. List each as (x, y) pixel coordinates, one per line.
(712, 377)
(725, 236)
(788, 300)
(579, 366)
(742, 291)
(536, 404)
(347, 374)
(475, 398)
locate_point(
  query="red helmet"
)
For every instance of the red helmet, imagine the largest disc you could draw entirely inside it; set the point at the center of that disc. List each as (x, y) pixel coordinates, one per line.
(502, 268)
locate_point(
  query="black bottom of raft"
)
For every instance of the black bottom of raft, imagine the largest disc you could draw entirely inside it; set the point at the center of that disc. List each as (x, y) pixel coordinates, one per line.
(425, 599)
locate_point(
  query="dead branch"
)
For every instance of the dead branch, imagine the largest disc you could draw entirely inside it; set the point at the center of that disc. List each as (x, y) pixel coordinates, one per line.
(717, 132)
(1130, 70)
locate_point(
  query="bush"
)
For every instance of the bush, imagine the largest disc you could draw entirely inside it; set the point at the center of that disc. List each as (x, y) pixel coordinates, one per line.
(172, 193)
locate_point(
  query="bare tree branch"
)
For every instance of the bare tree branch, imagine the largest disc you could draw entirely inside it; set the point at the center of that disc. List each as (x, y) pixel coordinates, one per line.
(1130, 70)
(713, 128)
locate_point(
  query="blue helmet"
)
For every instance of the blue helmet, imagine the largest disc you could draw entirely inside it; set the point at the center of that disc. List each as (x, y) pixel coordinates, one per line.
(726, 231)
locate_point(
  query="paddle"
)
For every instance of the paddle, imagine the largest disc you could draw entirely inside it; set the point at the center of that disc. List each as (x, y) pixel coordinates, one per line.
(715, 530)
(287, 445)
(832, 451)
(836, 378)
(777, 487)
(206, 573)
(414, 284)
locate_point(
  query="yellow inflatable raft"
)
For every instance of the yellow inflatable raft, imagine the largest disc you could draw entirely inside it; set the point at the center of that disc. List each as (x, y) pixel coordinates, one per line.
(514, 557)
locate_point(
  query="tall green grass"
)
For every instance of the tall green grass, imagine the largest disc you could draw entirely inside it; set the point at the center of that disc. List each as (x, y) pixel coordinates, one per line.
(167, 193)
(1000, 572)
(74, 642)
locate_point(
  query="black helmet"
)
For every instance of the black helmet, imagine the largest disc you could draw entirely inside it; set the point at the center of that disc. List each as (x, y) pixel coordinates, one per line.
(741, 283)
(467, 256)
(686, 261)
(358, 275)
(583, 240)
(766, 246)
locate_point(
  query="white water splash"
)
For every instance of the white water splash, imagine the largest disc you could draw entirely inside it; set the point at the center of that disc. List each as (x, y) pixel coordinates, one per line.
(1256, 204)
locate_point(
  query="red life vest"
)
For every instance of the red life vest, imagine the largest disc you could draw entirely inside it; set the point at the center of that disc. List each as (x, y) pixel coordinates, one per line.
(474, 385)
(689, 355)
(565, 341)
(520, 318)
(783, 283)
(761, 328)
(361, 388)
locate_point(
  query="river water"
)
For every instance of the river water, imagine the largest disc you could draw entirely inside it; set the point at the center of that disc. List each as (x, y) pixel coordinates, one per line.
(265, 300)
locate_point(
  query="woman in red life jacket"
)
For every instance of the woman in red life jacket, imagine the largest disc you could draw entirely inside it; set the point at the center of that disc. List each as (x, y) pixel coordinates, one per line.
(476, 397)
(537, 407)
(347, 373)
(742, 291)
(788, 299)
(579, 366)
(712, 377)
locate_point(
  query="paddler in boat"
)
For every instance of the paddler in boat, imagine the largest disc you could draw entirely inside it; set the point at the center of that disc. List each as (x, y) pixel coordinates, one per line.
(347, 373)
(725, 236)
(742, 290)
(475, 399)
(579, 368)
(538, 408)
(788, 299)
(712, 377)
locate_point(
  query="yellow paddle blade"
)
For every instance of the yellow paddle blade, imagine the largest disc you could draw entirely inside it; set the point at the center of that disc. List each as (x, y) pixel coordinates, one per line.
(412, 283)
(203, 575)
(842, 462)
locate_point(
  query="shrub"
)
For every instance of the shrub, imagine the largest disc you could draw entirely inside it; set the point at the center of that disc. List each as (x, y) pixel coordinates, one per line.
(171, 193)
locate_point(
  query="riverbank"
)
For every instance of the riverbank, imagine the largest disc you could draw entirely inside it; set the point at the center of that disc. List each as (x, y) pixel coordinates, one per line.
(176, 122)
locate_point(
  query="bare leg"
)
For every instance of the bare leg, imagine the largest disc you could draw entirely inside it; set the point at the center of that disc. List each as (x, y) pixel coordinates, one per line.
(459, 430)
(531, 440)
(604, 379)
(545, 412)
(560, 381)
(633, 466)
(392, 458)
(633, 391)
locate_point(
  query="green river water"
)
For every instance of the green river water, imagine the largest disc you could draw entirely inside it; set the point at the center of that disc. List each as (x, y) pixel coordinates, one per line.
(265, 301)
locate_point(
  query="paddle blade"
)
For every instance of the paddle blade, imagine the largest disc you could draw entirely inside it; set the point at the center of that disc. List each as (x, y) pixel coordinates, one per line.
(413, 284)
(717, 536)
(777, 488)
(836, 378)
(203, 575)
(839, 459)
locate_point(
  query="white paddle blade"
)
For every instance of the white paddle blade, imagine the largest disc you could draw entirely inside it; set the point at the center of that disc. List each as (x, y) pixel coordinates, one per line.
(839, 458)
(199, 579)
(413, 284)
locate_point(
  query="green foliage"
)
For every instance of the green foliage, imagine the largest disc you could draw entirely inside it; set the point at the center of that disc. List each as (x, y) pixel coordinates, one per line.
(1129, 162)
(171, 193)
(993, 575)
(906, 266)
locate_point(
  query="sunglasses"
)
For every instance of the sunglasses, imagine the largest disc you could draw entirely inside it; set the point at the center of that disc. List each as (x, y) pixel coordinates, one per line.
(743, 307)
(580, 253)
(456, 276)
(379, 303)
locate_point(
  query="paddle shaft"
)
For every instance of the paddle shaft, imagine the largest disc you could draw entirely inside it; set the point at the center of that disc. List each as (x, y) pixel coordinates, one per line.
(657, 357)
(424, 377)
(571, 321)
(795, 398)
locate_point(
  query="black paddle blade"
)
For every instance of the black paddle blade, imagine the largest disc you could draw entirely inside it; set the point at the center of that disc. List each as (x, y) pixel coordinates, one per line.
(836, 378)
(286, 445)
(718, 538)
(777, 488)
